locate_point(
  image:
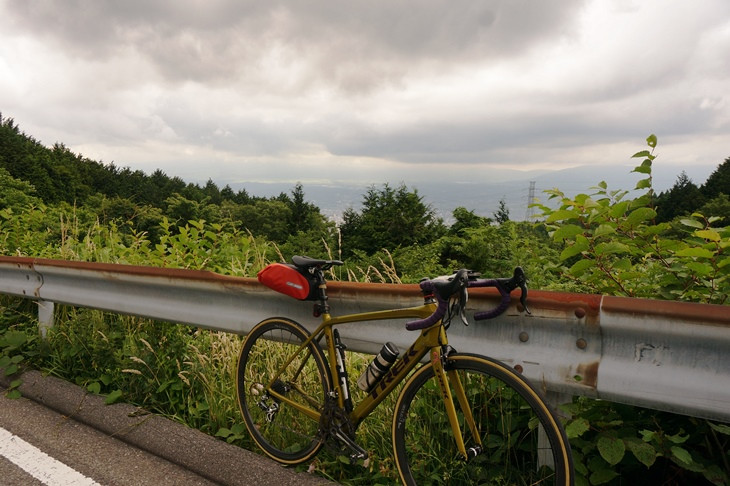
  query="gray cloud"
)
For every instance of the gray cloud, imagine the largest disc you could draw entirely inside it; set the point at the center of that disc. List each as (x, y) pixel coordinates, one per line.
(354, 46)
(251, 85)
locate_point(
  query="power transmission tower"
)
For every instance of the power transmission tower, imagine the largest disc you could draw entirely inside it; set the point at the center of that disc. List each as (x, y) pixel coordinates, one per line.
(530, 213)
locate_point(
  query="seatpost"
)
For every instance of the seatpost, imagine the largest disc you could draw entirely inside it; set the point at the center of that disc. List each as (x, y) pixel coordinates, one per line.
(321, 307)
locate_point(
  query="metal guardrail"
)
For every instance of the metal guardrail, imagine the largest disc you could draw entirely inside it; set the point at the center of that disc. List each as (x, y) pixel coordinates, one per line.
(671, 356)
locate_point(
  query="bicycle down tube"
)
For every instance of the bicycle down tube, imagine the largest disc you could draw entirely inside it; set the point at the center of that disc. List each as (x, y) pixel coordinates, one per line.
(429, 338)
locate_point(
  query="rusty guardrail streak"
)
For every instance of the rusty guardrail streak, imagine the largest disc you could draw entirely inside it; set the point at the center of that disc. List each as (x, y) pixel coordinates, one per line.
(664, 355)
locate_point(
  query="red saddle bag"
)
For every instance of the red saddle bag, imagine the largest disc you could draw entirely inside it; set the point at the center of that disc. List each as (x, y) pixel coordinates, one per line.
(288, 280)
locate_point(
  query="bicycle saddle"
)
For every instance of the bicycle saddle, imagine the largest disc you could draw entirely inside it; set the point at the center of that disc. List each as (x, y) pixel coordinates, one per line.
(305, 262)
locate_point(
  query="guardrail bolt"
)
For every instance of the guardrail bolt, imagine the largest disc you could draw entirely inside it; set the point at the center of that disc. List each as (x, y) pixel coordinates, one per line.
(581, 343)
(524, 337)
(580, 312)
(518, 369)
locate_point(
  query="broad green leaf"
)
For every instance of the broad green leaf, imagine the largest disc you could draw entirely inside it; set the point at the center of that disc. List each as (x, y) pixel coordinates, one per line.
(642, 201)
(603, 476)
(562, 214)
(643, 169)
(693, 223)
(647, 435)
(651, 140)
(13, 394)
(678, 438)
(113, 397)
(611, 247)
(643, 153)
(580, 245)
(695, 253)
(714, 474)
(619, 209)
(640, 215)
(622, 264)
(577, 427)
(11, 369)
(612, 449)
(94, 388)
(681, 454)
(567, 231)
(643, 452)
(580, 267)
(14, 339)
(722, 428)
(586, 201)
(708, 234)
(223, 432)
(643, 184)
(700, 269)
(570, 251)
(604, 229)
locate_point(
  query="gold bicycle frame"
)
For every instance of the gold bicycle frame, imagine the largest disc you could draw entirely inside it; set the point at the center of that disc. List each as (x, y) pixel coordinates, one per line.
(429, 341)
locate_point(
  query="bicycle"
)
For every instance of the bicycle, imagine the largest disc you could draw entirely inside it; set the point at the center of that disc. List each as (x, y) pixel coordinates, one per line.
(459, 418)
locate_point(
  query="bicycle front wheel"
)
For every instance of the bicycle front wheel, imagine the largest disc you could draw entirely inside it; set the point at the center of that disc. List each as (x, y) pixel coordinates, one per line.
(514, 437)
(285, 432)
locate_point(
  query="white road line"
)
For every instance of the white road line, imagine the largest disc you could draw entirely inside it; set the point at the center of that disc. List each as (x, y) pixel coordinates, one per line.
(39, 464)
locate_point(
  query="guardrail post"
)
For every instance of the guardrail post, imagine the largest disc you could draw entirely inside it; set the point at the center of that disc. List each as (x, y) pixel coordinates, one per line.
(45, 316)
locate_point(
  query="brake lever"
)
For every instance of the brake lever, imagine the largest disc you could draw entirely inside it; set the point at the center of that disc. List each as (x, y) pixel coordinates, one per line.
(520, 279)
(523, 298)
(463, 299)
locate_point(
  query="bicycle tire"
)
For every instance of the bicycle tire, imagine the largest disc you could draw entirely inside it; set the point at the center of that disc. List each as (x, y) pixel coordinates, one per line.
(287, 434)
(506, 409)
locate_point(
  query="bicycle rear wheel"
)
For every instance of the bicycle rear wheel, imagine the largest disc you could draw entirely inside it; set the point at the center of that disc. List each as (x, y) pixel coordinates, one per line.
(522, 442)
(285, 433)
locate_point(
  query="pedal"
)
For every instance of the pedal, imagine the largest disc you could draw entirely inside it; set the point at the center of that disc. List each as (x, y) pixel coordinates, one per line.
(356, 452)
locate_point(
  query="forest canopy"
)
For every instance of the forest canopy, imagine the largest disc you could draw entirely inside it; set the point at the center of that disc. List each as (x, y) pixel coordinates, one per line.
(395, 235)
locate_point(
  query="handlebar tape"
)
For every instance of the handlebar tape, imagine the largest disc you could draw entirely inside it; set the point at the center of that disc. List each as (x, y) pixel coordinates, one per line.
(479, 316)
(429, 321)
(443, 305)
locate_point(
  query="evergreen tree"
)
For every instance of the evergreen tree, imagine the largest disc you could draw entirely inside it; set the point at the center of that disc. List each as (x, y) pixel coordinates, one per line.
(502, 214)
(718, 182)
(390, 218)
(304, 215)
(465, 219)
(683, 198)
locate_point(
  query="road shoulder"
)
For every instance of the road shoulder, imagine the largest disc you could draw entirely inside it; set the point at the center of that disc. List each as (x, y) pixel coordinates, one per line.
(189, 448)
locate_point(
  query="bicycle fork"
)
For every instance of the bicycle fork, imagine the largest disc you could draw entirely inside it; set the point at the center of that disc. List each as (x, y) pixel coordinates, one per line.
(444, 378)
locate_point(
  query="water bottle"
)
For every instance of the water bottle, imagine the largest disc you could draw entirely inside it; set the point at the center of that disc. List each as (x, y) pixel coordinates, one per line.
(378, 367)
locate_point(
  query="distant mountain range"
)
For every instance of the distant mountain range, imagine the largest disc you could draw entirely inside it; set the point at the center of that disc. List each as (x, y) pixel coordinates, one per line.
(481, 197)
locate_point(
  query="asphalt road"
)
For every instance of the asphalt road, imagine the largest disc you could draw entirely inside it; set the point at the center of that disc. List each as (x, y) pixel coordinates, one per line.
(60, 434)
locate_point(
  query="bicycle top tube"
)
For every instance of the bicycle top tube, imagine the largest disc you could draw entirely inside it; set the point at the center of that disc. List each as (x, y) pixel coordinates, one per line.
(443, 288)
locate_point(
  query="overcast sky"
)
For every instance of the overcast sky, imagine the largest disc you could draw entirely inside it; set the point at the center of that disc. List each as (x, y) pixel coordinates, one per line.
(326, 91)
